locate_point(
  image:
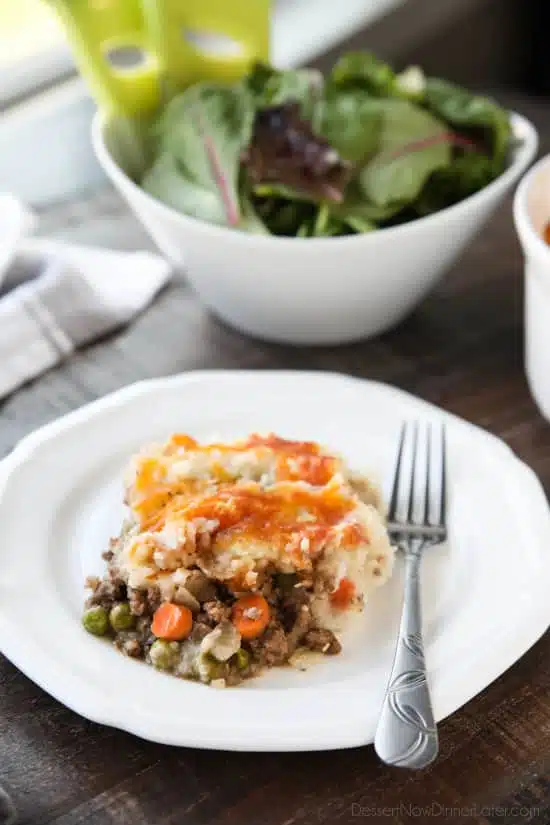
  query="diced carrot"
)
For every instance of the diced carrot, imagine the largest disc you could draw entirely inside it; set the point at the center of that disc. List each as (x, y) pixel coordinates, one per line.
(172, 622)
(343, 595)
(251, 615)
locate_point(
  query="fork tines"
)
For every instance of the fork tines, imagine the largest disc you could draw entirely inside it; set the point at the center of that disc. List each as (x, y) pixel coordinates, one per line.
(418, 502)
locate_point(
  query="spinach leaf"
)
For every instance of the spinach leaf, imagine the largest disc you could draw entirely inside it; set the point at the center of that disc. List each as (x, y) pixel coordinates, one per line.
(286, 217)
(359, 224)
(326, 225)
(280, 190)
(464, 111)
(368, 214)
(205, 130)
(355, 212)
(352, 122)
(413, 144)
(467, 174)
(258, 78)
(337, 228)
(273, 87)
(171, 185)
(321, 220)
(305, 230)
(361, 215)
(364, 72)
(250, 219)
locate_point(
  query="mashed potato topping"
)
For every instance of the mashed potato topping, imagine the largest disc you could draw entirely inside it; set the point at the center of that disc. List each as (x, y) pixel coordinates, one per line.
(232, 509)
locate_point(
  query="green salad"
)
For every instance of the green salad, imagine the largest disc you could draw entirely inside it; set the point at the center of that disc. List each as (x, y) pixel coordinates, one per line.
(293, 153)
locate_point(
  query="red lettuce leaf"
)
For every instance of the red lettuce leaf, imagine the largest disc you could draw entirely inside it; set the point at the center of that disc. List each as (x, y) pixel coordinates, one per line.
(284, 149)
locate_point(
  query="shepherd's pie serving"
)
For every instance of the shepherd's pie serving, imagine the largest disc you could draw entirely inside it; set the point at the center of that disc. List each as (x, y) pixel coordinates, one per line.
(238, 556)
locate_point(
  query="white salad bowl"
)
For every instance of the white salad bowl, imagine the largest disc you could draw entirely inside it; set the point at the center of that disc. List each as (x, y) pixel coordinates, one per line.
(318, 290)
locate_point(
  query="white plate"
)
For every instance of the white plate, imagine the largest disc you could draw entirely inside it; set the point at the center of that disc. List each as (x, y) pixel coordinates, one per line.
(485, 594)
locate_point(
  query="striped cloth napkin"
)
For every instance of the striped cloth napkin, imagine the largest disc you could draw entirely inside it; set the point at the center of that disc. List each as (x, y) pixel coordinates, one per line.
(55, 298)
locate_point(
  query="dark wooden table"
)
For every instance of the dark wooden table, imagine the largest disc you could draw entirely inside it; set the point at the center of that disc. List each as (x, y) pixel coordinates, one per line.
(463, 350)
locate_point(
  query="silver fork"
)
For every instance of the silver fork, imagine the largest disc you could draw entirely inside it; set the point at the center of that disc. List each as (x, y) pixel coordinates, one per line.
(406, 734)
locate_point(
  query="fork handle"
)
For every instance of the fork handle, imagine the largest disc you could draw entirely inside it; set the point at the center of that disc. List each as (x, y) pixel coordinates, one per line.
(406, 735)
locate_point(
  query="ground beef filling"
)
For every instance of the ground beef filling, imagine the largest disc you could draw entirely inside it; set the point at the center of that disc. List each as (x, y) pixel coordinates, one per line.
(131, 611)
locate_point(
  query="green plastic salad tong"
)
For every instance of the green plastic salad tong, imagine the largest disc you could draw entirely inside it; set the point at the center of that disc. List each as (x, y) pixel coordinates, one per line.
(136, 54)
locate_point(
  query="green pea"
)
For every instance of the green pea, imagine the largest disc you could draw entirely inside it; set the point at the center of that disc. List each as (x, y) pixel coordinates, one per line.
(96, 621)
(242, 658)
(121, 617)
(209, 668)
(164, 654)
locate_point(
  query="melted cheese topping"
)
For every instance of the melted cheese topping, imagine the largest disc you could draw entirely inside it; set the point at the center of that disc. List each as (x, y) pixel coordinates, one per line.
(183, 468)
(232, 508)
(289, 519)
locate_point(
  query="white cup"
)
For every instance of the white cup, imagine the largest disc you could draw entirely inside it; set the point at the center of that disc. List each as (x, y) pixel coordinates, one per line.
(531, 214)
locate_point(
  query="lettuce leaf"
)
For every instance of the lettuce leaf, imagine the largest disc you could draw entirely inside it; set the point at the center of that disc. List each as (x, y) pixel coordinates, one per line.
(171, 185)
(204, 130)
(413, 145)
(472, 114)
(274, 87)
(286, 153)
(354, 214)
(352, 123)
(364, 72)
(284, 149)
(467, 174)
